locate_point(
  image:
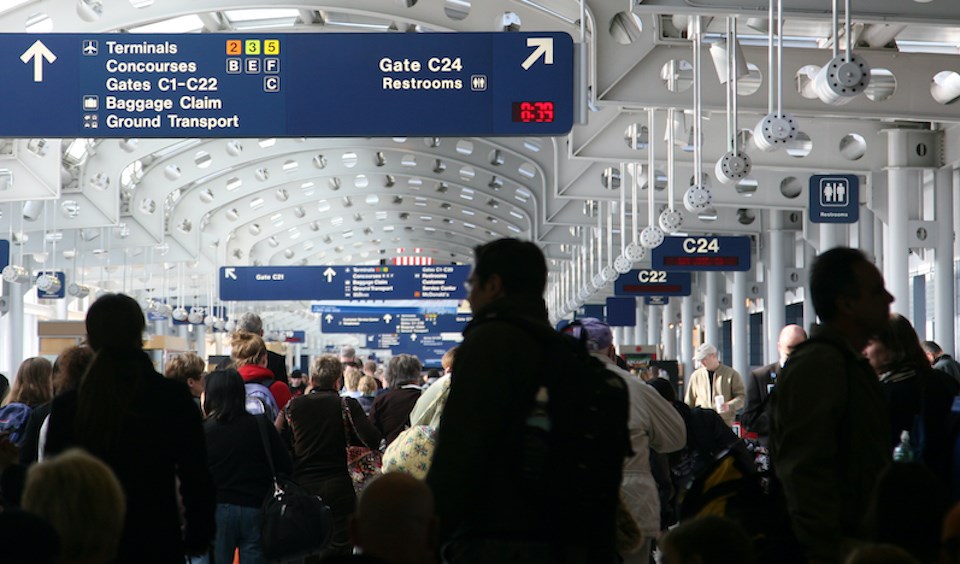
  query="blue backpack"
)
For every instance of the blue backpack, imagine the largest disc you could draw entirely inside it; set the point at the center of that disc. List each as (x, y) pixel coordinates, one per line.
(13, 419)
(260, 400)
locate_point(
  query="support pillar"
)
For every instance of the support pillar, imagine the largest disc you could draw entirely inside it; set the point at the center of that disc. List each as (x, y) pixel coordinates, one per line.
(711, 306)
(866, 233)
(832, 235)
(618, 336)
(15, 294)
(775, 308)
(200, 334)
(668, 334)
(740, 327)
(943, 282)
(686, 331)
(896, 256)
(809, 315)
(640, 329)
(654, 315)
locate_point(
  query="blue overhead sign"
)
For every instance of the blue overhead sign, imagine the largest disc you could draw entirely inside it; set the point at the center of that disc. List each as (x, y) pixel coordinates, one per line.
(56, 291)
(834, 198)
(286, 84)
(4, 253)
(386, 322)
(591, 310)
(256, 283)
(621, 312)
(702, 252)
(646, 282)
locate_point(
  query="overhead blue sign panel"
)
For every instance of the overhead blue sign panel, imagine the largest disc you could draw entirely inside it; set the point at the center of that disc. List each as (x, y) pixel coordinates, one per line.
(4, 253)
(646, 282)
(256, 283)
(834, 198)
(696, 253)
(286, 84)
(387, 322)
(52, 291)
(621, 312)
(592, 310)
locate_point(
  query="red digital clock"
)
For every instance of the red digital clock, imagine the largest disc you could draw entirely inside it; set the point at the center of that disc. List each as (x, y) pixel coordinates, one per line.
(533, 112)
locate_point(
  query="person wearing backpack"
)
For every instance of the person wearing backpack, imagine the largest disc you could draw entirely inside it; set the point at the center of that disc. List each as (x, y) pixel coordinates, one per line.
(494, 501)
(654, 426)
(265, 394)
(830, 433)
(33, 387)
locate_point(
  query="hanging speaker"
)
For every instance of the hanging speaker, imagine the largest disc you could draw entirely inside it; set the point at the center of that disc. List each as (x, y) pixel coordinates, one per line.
(670, 220)
(635, 251)
(696, 199)
(651, 237)
(733, 166)
(775, 131)
(622, 264)
(840, 80)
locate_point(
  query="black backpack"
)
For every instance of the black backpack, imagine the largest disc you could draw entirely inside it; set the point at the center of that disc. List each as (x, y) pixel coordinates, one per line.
(576, 436)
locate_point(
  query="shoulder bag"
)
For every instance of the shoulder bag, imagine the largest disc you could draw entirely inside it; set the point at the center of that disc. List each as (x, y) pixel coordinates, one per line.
(296, 523)
(363, 462)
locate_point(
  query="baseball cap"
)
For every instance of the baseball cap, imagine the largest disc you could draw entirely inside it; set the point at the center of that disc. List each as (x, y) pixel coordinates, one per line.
(598, 334)
(703, 351)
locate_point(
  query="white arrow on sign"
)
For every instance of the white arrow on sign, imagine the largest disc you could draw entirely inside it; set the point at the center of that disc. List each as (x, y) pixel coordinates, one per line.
(38, 52)
(387, 318)
(329, 318)
(413, 336)
(544, 47)
(230, 273)
(329, 273)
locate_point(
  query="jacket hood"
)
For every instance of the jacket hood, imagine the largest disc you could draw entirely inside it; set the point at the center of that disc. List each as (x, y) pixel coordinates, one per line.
(254, 373)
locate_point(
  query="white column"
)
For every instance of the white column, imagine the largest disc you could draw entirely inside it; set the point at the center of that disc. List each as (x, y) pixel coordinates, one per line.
(654, 315)
(200, 334)
(896, 257)
(668, 335)
(866, 233)
(640, 330)
(14, 294)
(618, 337)
(809, 315)
(711, 326)
(943, 281)
(63, 310)
(686, 332)
(740, 326)
(774, 310)
(832, 235)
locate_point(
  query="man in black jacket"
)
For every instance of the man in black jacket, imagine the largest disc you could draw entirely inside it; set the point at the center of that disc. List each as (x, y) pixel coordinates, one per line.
(762, 381)
(486, 510)
(943, 362)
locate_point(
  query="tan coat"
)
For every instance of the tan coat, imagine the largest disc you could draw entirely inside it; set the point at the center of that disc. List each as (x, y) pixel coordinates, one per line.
(726, 382)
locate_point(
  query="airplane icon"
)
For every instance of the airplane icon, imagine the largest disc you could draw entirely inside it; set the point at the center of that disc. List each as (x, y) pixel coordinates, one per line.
(90, 47)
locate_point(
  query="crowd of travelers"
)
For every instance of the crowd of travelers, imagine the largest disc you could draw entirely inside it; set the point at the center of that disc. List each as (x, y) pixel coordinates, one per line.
(528, 445)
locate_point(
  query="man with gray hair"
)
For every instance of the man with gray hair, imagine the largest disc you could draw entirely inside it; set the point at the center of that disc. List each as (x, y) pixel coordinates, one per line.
(714, 385)
(276, 363)
(390, 412)
(348, 356)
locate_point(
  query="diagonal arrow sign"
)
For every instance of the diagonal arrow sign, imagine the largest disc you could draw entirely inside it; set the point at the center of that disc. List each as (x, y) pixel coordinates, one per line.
(38, 52)
(230, 273)
(329, 273)
(544, 47)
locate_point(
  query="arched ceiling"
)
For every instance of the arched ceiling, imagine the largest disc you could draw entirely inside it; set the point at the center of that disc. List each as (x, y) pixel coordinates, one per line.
(157, 216)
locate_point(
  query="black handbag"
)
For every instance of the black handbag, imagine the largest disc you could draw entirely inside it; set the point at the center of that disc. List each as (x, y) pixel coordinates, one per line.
(296, 523)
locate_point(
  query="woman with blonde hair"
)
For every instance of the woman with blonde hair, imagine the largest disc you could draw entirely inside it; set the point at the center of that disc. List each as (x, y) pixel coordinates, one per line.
(82, 499)
(31, 389)
(249, 354)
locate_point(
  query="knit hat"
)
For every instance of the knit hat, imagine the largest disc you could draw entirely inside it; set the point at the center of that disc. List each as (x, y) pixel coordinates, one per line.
(598, 334)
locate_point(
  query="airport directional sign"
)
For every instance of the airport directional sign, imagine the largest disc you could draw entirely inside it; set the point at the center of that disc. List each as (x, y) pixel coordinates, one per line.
(647, 282)
(374, 322)
(702, 252)
(4, 253)
(261, 283)
(286, 84)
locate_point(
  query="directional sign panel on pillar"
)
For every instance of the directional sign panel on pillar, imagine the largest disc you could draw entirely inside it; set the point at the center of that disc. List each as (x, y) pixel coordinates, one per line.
(374, 322)
(259, 283)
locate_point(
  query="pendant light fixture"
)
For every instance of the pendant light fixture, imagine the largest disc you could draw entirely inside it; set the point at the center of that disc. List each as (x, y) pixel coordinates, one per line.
(847, 75)
(652, 235)
(622, 264)
(777, 128)
(670, 219)
(734, 165)
(697, 197)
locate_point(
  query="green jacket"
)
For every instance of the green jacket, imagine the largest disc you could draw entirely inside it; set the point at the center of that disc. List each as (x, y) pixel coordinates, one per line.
(830, 441)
